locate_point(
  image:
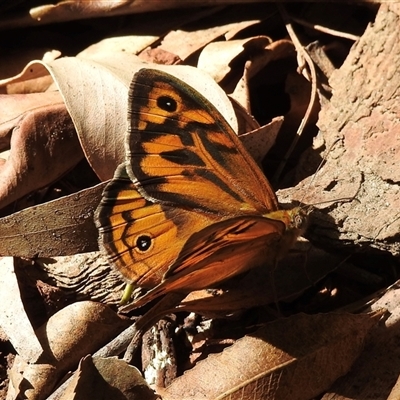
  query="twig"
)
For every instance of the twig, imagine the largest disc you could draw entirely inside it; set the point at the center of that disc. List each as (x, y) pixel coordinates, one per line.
(326, 30)
(300, 49)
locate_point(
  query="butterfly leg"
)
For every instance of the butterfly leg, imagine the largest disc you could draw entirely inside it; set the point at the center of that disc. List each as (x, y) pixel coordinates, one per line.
(273, 285)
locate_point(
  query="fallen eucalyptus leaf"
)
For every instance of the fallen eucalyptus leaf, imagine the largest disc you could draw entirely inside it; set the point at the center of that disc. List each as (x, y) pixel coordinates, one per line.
(260, 140)
(374, 375)
(13, 318)
(217, 58)
(60, 227)
(42, 141)
(107, 378)
(293, 358)
(73, 332)
(96, 95)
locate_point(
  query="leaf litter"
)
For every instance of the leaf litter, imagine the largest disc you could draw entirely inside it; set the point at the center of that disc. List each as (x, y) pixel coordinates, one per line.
(80, 102)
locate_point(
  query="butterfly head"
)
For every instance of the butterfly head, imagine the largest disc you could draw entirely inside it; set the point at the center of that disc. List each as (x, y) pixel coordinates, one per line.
(298, 218)
(295, 219)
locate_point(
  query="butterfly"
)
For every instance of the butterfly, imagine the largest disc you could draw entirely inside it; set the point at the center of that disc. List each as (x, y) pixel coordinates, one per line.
(189, 208)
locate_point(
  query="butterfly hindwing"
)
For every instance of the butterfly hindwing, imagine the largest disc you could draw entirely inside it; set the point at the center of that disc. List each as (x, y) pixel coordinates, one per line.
(219, 252)
(142, 238)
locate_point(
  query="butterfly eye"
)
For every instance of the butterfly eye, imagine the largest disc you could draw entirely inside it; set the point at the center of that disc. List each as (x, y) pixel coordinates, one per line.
(167, 103)
(143, 243)
(298, 221)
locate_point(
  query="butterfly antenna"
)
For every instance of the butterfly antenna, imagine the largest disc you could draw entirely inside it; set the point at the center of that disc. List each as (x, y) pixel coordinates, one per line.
(321, 164)
(385, 226)
(339, 200)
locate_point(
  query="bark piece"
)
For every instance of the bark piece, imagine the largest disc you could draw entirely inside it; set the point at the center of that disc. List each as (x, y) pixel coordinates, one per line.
(361, 132)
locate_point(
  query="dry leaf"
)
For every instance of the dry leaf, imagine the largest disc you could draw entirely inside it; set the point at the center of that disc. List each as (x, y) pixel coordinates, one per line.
(96, 97)
(59, 227)
(68, 10)
(217, 59)
(374, 375)
(293, 358)
(107, 378)
(209, 26)
(184, 43)
(13, 318)
(42, 142)
(73, 332)
(73, 10)
(259, 141)
(132, 44)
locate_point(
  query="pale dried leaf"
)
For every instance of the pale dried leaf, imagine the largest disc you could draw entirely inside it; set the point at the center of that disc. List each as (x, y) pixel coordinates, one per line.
(119, 44)
(13, 318)
(74, 10)
(395, 392)
(96, 94)
(70, 334)
(34, 78)
(259, 141)
(216, 58)
(240, 26)
(43, 147)
(107, 378)
(184, 43)
(69, 10)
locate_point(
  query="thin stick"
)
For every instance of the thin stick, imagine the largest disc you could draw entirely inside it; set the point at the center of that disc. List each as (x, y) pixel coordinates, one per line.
(144, 323)
(326, 30)
(300, 49)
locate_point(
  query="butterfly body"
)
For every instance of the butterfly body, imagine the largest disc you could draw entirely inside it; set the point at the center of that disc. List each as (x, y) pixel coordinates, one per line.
(189, 208)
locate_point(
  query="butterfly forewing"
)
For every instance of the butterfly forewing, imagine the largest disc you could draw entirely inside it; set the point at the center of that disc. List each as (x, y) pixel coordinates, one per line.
(182, 152)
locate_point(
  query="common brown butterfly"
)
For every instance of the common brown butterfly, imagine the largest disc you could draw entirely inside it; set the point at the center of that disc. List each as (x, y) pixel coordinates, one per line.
(189, 208)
